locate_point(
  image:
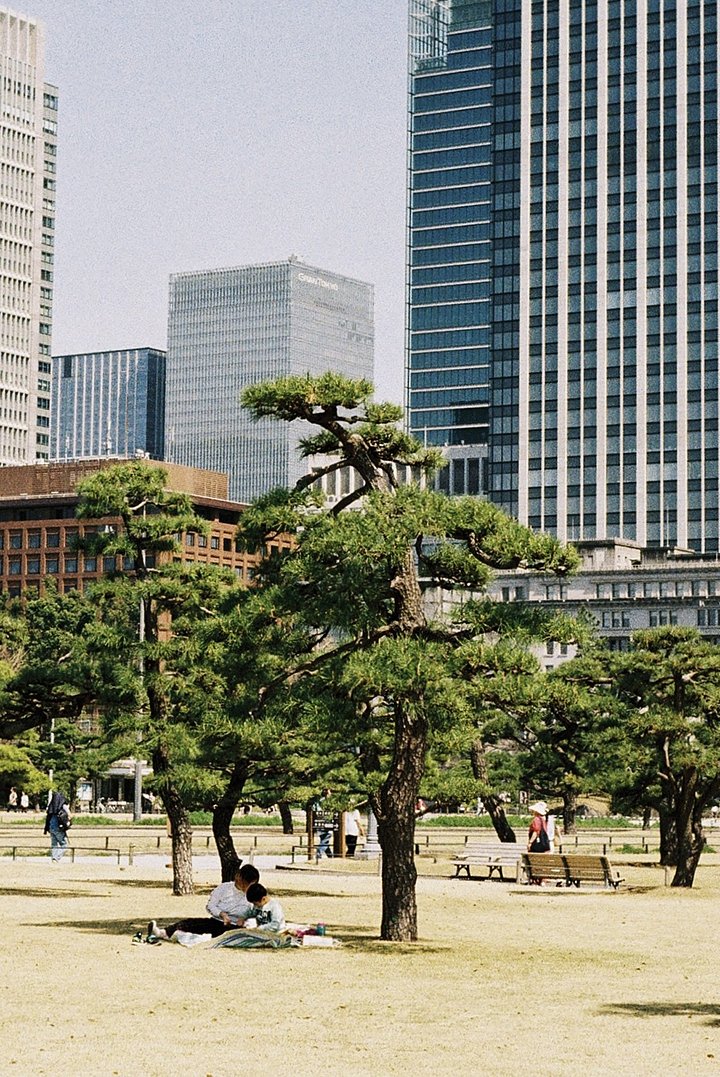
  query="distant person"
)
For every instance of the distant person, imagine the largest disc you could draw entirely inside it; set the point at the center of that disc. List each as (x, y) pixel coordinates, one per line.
(267, 912)
(13, 799)
(353, 830)
(24, 802)
(538, 840)
(57, 824)
(228, 906)
(323, 822)
(553, 832)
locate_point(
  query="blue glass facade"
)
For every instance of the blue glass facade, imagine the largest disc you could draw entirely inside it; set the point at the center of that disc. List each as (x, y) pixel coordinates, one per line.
(586, 141)
(108, 404)
(450, 234)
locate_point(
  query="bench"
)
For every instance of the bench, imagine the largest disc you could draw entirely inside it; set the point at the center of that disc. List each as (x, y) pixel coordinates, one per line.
(493, 855)
(569, 870)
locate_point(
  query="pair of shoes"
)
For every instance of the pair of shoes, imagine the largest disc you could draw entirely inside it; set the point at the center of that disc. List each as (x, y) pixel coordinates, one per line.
(156, 931)
(137, 938)
(153, 940)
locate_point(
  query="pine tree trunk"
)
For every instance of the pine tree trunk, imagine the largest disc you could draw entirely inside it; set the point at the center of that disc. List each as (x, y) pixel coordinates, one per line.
(493, 805)
(180, 826)
(668, 830)
(222, 821)
(286, 817)
(395, 810)
(570, 811)
(688, 825)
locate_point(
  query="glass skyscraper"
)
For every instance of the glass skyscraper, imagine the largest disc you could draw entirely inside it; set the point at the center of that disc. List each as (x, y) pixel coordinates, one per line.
(108, 404)
(230, 328)
(601, 360)
(450, 236)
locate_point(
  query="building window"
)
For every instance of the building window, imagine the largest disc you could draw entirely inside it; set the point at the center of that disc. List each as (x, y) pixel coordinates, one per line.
(52, 565)
(52, 539)
(71, 564)
(91, 564)
(33, 566)
(14, 566)
(662, 617)
(33, 540)
(108, 564)
(16, 540)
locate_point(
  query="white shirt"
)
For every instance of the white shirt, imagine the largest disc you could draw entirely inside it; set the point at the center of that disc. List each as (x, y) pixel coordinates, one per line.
(226, 898)
(352, 823)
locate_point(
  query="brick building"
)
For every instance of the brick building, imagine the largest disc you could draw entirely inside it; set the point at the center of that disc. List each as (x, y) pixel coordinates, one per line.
(39, 528)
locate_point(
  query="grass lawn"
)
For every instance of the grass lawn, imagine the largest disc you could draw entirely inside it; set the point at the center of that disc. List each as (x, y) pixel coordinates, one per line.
(505, 980)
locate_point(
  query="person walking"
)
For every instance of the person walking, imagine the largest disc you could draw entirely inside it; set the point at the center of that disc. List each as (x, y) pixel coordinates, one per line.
(13, 799)
(24, 802)
(353, 830)
(57, 824)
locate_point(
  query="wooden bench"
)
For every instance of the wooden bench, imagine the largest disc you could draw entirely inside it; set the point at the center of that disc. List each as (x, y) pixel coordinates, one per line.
(493, 855)
(570, 869)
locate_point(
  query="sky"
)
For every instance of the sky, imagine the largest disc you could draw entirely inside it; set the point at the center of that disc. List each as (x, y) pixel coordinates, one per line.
(197, 135)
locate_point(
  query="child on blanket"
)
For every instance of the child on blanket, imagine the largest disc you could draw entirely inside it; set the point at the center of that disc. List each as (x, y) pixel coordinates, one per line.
(266, 911)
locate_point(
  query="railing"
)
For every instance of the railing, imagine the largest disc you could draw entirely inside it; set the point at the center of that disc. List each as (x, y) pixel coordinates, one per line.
(42, 850)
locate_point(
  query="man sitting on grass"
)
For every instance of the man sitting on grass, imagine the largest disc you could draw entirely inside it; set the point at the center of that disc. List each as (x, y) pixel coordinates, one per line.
(229, 907)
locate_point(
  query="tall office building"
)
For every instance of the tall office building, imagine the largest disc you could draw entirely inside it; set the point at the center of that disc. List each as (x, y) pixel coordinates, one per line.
(28, 149)
(564, 198)
(108, 404)
(230, 328)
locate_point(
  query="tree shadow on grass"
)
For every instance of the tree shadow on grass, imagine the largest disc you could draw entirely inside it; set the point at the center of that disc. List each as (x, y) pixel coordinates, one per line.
(202, 889)
(154, 884)
(354, 938)
(45, 892)
(707, 1010)
(98, 927)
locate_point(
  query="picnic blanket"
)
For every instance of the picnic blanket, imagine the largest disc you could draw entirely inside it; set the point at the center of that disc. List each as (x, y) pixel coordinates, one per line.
(247, 939)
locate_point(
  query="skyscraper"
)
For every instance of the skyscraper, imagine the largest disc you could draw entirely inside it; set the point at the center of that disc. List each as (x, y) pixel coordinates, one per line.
(108, 404)
(230, 328)
(28, 149)
(599, 125)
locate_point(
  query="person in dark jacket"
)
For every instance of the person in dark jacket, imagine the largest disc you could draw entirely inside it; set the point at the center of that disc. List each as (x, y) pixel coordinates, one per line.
(57, 824)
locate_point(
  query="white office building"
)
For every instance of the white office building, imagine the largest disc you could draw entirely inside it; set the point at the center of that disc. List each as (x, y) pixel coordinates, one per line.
(28, 149)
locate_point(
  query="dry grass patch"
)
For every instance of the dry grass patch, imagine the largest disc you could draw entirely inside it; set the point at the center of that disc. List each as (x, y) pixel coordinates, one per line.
(504, 980)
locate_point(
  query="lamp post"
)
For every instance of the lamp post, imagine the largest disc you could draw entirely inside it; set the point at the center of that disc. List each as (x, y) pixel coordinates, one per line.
(137, 799)
(371, 850)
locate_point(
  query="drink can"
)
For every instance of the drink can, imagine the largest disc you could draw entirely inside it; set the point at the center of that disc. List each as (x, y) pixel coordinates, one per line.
(320, 929)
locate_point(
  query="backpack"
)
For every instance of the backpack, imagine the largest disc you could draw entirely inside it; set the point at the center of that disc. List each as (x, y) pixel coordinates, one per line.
(541, 842)
(63, 819)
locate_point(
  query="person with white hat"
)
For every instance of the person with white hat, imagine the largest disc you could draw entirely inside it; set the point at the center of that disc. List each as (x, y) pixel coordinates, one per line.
(538, 840)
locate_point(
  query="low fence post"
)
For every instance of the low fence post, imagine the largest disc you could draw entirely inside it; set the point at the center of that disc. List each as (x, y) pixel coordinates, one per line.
(131, 850)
